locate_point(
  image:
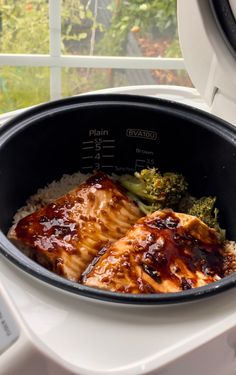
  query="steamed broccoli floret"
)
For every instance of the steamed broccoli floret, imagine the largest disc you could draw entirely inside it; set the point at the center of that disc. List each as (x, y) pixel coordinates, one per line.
(145, 208)
(156, 191)
(136, 186)
(153, 191)
(204, 208)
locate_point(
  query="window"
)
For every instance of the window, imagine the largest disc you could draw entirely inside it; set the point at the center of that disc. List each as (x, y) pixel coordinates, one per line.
(55, 48)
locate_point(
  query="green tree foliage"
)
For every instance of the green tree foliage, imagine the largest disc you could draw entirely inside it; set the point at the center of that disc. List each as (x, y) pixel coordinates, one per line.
(24, 28)
(156, 17)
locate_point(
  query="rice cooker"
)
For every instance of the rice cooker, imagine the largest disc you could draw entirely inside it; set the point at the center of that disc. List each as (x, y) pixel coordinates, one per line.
(50, 326)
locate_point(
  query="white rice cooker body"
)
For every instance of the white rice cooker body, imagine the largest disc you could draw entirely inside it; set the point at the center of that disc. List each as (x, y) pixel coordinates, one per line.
(47, 331)
(208, 58)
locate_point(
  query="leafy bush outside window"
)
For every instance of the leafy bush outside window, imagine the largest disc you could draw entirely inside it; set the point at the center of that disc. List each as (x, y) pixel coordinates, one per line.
(89, 27)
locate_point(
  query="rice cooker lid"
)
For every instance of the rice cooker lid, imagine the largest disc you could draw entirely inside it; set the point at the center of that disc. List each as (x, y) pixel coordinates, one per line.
(207, 32)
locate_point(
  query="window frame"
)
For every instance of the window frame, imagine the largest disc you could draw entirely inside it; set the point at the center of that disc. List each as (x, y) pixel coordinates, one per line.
(55, 60)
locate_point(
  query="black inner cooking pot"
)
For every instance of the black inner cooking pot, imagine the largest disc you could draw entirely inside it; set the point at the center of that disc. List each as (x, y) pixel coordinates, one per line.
(120, 134)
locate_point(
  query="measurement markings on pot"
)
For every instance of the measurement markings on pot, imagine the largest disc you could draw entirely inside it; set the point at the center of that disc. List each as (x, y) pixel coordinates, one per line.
(141, 133)
(97, 150)
(143, 163)
(147, 160)
(98, 132)
(140, 164)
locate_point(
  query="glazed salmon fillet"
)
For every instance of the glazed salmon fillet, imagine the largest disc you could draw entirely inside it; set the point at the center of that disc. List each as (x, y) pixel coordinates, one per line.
(163, 252)
(67, 234)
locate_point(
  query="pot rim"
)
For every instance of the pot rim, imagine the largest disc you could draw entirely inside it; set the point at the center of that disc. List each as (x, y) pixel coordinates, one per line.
(25, 119)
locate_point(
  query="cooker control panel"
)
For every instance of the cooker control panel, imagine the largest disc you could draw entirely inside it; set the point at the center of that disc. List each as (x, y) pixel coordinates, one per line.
(9, 331)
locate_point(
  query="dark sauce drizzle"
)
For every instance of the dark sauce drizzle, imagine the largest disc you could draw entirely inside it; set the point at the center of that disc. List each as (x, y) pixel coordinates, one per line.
(176, 245)
(52, 226)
